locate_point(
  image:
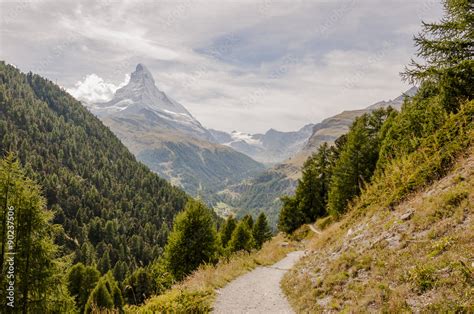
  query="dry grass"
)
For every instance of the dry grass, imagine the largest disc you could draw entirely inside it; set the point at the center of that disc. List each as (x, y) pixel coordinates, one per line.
(196, 293)
(387, 260)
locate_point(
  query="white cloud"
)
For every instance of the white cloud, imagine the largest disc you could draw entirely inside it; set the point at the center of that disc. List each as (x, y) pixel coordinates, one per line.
(94, 89)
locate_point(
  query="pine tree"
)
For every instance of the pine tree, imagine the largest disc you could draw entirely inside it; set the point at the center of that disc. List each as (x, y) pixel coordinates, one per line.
(104, 263)
(291, 217)
(81, 281)
(38, 276)
(242, 239)
(356, 163)
(448, 50)
(311, 195)
(139, 286)
(248, 219)
(106, 295)
(261, 231)
(312, 190)
(226, 231)
(192, 242)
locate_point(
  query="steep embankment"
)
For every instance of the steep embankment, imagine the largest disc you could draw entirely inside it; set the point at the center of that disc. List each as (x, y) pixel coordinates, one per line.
(415, 256)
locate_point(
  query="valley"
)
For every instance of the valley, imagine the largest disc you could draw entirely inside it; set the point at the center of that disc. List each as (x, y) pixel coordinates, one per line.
(234, 172)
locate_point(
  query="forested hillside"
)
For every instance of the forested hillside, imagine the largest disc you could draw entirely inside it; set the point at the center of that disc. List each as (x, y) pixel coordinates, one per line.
(399, 187)
(114, 211)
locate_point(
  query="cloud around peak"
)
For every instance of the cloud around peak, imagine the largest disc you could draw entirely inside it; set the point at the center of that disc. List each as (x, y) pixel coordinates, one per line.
(94, 89)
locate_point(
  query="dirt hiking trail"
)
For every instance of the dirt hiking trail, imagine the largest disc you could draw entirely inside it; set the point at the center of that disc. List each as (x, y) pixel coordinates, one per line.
(257, 291)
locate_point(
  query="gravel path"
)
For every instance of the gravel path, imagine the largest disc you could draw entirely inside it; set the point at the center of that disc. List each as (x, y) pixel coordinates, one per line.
(257, 291)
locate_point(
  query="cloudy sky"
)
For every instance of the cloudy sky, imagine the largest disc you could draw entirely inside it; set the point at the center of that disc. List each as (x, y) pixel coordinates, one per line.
(243, 65)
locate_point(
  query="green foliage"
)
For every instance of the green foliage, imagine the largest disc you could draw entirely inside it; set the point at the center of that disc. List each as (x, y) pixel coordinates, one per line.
(434, 157)
(81, 281)
(261, 231)
(422, 277)
(447, 48)
(27, 231)
(242, 239)
(100, 194)
(248, 219)
(192, 242)
(105, 296)
(356, 163)
(311, 196)
(226, 231)
(291, 217)
(139, 286)
(180, 301)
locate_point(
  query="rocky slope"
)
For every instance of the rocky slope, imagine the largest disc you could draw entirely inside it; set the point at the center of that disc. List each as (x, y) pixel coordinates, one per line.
(414, 257)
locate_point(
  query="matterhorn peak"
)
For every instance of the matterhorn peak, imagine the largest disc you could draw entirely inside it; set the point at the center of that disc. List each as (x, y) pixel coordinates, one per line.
(142, 74)
(141, 97)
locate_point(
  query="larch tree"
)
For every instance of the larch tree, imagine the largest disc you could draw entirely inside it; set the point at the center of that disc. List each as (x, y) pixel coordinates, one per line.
(192, 242)
(242, 239)
(28, 252)
(447, 48)
(261, 231)
(226, 231)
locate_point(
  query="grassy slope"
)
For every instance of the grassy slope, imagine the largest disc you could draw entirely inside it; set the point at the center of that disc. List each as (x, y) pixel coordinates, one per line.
(196, 293)
(406, 245)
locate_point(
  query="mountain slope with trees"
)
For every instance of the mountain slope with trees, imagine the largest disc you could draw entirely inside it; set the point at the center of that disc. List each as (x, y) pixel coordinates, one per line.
(114, 212)
(403, 236)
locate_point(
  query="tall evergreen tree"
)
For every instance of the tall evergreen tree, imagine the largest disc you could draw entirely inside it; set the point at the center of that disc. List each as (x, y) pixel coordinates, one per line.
(248, 219)
(291, 217)
(104, 263)
(311, 195)
(242, 239)
(105, 296)
(27, 231)
(448, 50)
(261, 231)
(356, 163)
(81, 281)
(312, 190)
(192, 242)
(226, 231)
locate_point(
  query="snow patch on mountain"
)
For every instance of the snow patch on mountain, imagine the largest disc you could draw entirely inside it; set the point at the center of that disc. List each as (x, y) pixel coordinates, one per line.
(141, 97)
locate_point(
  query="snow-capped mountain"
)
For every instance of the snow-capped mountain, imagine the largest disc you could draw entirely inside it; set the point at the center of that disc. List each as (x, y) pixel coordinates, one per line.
(142, 97)
(272, 147)
(162, 134)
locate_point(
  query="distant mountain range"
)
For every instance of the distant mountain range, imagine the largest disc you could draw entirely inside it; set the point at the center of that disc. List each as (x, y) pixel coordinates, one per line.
(162, 134)
(269, 148)
(263, 191)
